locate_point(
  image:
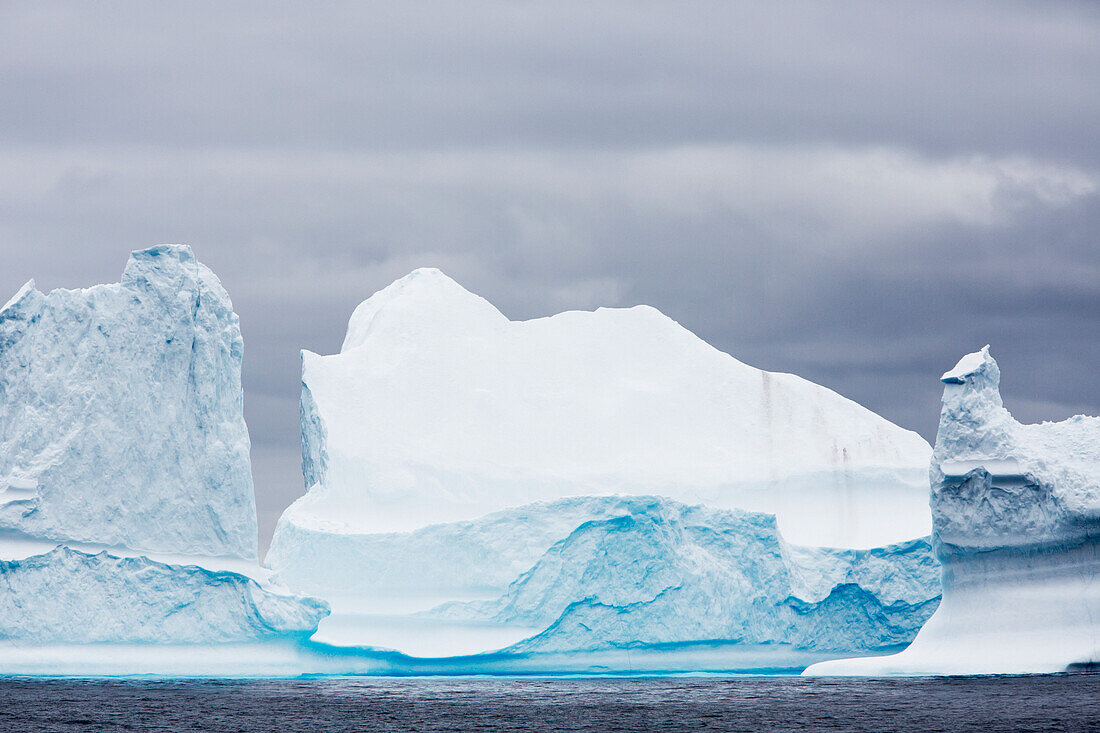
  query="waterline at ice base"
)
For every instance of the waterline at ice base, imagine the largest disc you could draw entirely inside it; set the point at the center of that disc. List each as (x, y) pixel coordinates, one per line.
(1016, 515)
(594, 491)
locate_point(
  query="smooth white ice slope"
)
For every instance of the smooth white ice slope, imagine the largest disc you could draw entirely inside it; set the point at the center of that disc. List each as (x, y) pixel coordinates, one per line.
(440, 409)
(1016, 516)
(121, 415)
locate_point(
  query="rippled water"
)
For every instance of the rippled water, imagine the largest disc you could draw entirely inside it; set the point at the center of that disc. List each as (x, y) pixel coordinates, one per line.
(1040, 703)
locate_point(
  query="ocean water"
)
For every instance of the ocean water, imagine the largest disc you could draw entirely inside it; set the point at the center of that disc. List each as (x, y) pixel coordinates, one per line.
(327, 705)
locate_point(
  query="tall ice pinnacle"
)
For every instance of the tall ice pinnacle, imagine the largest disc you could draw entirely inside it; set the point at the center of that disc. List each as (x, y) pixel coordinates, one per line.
(1016, 526)
(121, 413)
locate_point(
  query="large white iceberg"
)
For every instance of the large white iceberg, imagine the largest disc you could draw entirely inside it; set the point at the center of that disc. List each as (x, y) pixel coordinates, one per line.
(450, 455)
(439, 409)
(127, 516)
(1016, 516)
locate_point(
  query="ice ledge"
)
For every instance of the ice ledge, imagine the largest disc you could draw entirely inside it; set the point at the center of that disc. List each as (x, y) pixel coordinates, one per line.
(997, 467)
(968, 366)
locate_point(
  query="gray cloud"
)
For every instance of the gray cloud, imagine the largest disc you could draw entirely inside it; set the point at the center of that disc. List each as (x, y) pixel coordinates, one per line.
(856, 193)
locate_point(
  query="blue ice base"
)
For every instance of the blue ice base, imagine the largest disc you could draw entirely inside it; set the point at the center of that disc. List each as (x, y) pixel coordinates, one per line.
(290, 658)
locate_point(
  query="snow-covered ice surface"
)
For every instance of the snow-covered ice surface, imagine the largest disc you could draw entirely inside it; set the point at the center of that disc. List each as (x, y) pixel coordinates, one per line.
(1016, 517)
(439, 409)
(572, 489)
(127, 515)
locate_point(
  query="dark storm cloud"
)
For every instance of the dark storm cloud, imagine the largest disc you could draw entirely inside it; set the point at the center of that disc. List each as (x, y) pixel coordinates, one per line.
(1000, 76)
(857, 193)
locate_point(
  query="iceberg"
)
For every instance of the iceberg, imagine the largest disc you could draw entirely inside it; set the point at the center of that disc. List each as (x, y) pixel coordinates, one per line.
(557, 493)
(127, 514)
(439, 409)
(1016, 518)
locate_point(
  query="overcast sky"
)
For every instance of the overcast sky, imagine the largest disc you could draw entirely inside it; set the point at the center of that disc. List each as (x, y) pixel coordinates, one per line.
(858, 193)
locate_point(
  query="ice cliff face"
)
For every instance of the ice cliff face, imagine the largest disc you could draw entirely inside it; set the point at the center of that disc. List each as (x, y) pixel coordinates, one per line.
(127, 518)
(490, 555)
(121, 416)
(1016, 513)
(439, 409)
(664, 573)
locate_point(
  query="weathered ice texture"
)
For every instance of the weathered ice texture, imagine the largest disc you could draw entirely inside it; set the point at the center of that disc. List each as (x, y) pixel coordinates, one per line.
(127, 518)
(67, 596)
(479, 556)
(1016, 513)
(664, 573)
(121, 418)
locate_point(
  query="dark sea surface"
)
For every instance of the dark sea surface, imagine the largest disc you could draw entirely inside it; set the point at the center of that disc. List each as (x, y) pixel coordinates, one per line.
(1038, 703)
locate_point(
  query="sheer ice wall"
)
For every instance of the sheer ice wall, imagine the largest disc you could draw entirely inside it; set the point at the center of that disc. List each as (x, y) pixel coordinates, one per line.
(662, 573)
(121, 419)
(70, 597)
